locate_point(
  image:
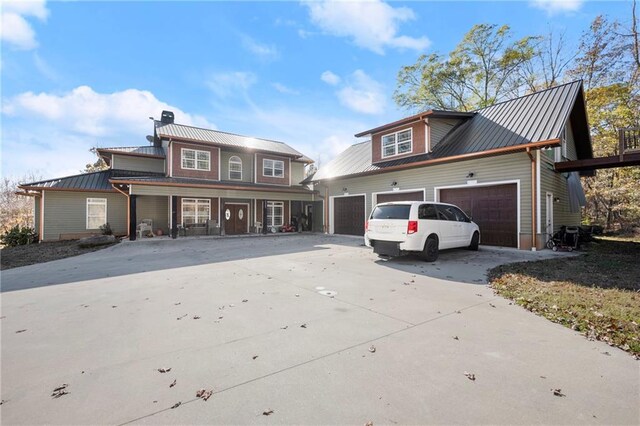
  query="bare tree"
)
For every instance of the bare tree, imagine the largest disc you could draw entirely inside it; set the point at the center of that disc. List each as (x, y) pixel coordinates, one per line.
(16, 209)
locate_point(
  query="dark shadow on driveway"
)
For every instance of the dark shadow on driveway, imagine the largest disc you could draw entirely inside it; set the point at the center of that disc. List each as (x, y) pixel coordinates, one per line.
(132, 258)
(463, 265)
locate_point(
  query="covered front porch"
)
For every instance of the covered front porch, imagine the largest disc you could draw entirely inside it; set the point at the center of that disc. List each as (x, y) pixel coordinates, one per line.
(186, 211)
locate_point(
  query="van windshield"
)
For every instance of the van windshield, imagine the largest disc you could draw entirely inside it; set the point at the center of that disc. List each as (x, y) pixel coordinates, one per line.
(400, 211)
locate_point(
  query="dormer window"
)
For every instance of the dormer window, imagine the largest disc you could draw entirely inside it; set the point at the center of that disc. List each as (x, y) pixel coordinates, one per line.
(235, 168)
(397, 143)
(273, 168)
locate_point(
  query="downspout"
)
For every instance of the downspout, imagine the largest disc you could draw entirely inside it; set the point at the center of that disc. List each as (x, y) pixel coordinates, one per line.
(128, 213)
(326, 209)
(534, 208)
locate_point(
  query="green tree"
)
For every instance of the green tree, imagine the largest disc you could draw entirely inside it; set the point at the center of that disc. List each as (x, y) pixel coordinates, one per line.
(485, 67)
(99, 165)
(610, 73)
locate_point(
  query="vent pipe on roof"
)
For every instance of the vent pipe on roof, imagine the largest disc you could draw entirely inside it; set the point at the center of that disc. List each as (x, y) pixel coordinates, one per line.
(167, 117)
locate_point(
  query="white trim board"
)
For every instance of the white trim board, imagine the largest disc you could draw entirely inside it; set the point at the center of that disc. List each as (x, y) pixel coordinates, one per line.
(374, 195)
(331, 197)
(436, 196)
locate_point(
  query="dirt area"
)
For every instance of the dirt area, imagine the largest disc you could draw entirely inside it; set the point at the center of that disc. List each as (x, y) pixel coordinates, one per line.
(13, 257)
(597, 293)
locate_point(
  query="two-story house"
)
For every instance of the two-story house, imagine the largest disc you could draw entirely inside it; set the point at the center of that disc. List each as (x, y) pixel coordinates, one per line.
(497, 163)
(190, 180)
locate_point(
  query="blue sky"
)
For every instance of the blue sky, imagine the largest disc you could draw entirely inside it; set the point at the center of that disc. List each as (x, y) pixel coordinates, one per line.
(81, 74)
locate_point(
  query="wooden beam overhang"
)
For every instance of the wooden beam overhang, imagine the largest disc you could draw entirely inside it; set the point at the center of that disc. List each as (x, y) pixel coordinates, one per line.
(213, 186)
(628, 159)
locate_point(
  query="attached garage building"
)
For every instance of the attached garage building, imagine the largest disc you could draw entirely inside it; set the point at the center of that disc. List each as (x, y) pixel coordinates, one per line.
(497, 163)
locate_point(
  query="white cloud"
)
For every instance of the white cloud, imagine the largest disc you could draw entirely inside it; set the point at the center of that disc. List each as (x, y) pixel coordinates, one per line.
(15, 30)
(363, 94)
(231, 83)
(263, 51)
(372, 24)
(63, 127)
(90, 113)
(553, 7)
(284, 89)
(330, 78)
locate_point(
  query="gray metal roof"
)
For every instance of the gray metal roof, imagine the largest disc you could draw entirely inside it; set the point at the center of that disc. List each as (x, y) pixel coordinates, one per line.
(179, 131)
(190, 181)
(155, 151)
(537, 117)
(95, 181)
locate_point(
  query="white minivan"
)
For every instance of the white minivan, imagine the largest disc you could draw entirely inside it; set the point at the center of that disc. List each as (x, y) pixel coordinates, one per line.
(423, 227)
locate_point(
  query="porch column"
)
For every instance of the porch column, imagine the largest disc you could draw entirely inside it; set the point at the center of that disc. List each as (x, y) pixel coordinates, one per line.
(264, 216)
(132, 217)
(174, 216)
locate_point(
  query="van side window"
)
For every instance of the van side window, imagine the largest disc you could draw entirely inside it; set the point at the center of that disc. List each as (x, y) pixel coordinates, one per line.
(427, 211)
(460, 215)
(445, 213)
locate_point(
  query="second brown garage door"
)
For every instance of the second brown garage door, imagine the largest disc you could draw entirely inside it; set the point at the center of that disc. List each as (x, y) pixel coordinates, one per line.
(493, 208)
(400, 196)
(348, 215)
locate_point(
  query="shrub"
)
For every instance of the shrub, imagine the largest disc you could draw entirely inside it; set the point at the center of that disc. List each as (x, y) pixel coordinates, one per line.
(106, 229)
(19, 236)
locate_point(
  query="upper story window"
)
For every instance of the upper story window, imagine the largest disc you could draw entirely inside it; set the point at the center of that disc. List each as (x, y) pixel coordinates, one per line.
(193, 159)
(235, 168)
(397, 143)
(273, 168)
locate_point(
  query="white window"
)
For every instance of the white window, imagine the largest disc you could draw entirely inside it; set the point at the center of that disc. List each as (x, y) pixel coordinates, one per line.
(275, 213)
(397, 143)
(193, 159)
(195, 211)
(274, 168)
(235, 168)
(96, 212)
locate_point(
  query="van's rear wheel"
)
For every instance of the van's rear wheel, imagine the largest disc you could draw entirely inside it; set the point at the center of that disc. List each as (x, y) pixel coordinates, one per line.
(475, 241)
(430, 252)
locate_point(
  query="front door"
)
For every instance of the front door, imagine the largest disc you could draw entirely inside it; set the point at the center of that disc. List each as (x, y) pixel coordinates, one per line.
(235, 218)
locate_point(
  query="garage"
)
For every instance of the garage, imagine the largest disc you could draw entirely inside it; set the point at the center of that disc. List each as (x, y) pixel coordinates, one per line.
(400, 196)
(493, 208)
(348, 215)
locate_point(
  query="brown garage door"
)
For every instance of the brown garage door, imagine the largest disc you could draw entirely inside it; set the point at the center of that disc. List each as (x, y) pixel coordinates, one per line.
(348, 215)
(400, 196)
(493, 208)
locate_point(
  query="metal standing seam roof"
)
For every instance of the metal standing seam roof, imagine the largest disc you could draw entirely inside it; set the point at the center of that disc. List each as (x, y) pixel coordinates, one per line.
(155, 151)
(191, 181)
(95, 181)
(536, 117)
(179, 131)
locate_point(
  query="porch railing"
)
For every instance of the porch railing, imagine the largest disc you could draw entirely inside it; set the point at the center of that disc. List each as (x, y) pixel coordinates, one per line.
(629, 140)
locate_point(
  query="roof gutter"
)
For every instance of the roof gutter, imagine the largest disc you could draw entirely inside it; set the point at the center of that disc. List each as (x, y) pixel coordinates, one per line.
(453, 158)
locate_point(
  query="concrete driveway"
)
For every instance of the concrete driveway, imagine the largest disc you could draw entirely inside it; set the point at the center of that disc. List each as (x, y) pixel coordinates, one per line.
(254, 320)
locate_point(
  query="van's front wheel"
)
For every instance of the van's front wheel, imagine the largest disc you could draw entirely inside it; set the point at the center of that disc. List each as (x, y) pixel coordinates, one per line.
(430, 252)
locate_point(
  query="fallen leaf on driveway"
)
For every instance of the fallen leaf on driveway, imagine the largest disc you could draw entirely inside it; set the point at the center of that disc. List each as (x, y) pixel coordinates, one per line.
(285, 327)
(245, 300)
(176, 304)
(173, 384)
(372, 349)
(59, 391)
(196, 317)
(204, 394)
(114, 306)
(200, 393)
(268, 412)
(21, 331)
(478, 294)
(558, 392)
(232, 305)
(255, 356)
(179, 318)
(164, 370)
(492, 305)
(303, 326)
(470, 376)
(176, 405)
(369, 423)
(455, 338)
(606, 353)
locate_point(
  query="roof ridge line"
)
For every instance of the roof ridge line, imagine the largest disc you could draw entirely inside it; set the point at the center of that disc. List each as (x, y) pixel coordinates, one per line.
(527, 95)
(226, 133)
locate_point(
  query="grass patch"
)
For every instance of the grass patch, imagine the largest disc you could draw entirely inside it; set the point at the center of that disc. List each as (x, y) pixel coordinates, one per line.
(597, 293)
(13, 257)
